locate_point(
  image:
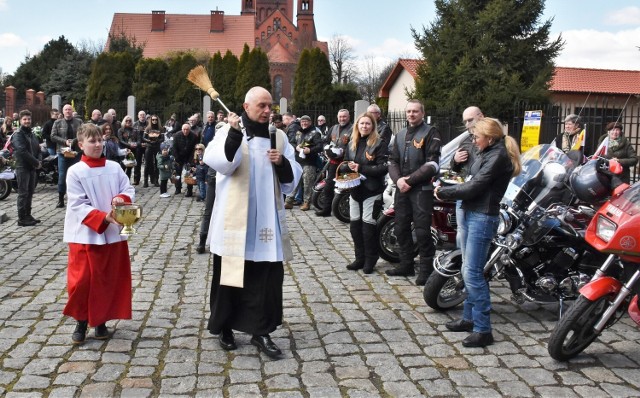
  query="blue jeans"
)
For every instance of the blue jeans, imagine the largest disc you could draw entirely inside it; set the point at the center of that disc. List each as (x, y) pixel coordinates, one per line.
(478, 230)
(459, 232)
(202, 189)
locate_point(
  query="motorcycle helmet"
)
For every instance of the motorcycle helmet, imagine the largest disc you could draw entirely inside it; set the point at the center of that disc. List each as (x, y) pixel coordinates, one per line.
(589, 184)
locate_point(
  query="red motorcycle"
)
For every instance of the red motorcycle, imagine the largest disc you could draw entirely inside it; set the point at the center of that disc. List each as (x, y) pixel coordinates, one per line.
(615, 287)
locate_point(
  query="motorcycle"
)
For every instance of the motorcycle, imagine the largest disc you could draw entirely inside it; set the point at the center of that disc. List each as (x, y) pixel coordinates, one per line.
(47, 174)
(6, 174)
(443, 226)
(317, 198)
(443, 220)
(615, 287)
(340, 202)
(539, 248)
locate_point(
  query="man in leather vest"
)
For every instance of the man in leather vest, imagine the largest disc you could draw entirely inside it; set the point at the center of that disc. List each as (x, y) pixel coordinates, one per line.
(335, 145)
(413, 163)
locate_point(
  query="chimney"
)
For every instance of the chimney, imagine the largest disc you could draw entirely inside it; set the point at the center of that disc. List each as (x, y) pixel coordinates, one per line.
(217, 21)
(157, 21)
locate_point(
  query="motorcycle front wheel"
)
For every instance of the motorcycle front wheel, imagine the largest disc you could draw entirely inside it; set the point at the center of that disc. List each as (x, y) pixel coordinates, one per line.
(387, 241)
(318, 199)
(340, 206)
(574, 331)
(5, 189)
(443, 293)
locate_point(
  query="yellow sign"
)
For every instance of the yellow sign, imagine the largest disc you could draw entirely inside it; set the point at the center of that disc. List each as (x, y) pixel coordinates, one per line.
(530, 130)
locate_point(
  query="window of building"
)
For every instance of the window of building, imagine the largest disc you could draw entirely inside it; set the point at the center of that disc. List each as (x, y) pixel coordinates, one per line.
(277, 88)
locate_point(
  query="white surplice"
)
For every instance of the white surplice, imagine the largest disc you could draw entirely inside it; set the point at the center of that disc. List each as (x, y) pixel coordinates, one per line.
(88, 189)
(263, 232)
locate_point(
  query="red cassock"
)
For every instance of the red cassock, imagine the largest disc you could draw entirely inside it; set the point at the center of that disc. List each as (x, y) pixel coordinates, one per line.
(99, 282)
(98, 275)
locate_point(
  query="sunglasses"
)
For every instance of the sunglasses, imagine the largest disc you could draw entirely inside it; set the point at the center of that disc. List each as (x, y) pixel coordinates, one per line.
(154, 120)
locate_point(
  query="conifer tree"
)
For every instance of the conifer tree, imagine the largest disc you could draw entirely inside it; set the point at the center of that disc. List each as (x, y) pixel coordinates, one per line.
(111, 80)
(489, 53)
(255, 72)
(302, 79)
(150, 81)
(244, 58)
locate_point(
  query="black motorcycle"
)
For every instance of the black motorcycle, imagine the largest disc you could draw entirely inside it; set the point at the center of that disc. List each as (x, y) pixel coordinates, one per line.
(47, 174)
(443, 220)
(6, 174)
(540, 248)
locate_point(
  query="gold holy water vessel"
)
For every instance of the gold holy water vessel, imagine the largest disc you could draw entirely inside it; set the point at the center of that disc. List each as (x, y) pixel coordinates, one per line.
(127, 215)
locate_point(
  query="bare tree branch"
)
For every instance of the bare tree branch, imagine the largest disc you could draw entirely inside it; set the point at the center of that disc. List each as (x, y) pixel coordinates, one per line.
(341, 58)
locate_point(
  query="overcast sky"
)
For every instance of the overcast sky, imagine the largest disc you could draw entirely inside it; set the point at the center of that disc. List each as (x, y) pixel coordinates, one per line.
(598, 33)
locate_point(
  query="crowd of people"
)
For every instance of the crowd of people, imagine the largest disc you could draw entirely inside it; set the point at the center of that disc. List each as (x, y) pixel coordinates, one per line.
(248, 173)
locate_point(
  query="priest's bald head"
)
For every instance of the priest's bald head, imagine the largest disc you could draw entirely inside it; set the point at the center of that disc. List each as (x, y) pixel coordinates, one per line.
(257, 104)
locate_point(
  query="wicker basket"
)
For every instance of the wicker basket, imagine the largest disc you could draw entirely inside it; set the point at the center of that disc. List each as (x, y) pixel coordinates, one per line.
(129, 163)
(69, 154)
(189, 180)
(346, 180)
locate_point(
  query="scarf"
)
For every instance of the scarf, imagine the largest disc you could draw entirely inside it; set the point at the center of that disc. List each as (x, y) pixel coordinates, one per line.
(236, 212)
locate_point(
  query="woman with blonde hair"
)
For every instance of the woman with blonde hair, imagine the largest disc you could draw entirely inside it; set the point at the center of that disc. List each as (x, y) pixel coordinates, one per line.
(496, 161)
(366, 154)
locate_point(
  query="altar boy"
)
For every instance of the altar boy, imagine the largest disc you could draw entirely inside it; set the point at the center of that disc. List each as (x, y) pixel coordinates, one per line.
(99, 269)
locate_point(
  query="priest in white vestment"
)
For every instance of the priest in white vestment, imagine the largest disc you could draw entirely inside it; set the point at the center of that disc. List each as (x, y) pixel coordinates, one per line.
(248, 233)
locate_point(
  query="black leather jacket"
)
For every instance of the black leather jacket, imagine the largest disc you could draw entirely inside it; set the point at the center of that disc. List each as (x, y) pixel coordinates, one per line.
(183, 147)
(415, 154)
(372, 163)
(486, 183)
(26, 149)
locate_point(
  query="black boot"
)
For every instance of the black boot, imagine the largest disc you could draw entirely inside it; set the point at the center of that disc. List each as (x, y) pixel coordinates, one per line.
(425, 267)
(146, 183)
(60, 203)
(80, 333)
(29, 216)
(358, 245)
(405, 269)
(369, 234)
(201, 244)
(23, 221)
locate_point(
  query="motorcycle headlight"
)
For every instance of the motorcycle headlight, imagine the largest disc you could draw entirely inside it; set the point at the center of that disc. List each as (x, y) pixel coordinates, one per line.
(514, 240)
(505, 223)
(605, 228)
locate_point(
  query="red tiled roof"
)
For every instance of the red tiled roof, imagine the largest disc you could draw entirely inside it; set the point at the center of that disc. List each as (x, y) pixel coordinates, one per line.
(585, 80)
(184, 32)
(410, 65)
(567, 80)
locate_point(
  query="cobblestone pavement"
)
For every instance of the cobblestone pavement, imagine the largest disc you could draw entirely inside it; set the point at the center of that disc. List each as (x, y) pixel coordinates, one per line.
(344, 333)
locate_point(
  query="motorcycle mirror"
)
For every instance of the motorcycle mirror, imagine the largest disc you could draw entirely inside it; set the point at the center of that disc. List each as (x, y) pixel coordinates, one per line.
(615, 167)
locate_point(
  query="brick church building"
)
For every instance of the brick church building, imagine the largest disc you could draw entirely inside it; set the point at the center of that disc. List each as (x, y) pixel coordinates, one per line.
(267, 24)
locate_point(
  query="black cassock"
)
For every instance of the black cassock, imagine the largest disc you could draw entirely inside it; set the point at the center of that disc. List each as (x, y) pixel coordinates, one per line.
(255, 309)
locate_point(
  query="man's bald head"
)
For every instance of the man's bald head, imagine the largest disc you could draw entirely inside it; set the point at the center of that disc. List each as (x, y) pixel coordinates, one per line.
(470, 116)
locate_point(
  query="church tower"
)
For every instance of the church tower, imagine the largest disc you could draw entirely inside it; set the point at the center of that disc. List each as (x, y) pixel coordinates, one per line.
(306, 25)
(264, 8)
